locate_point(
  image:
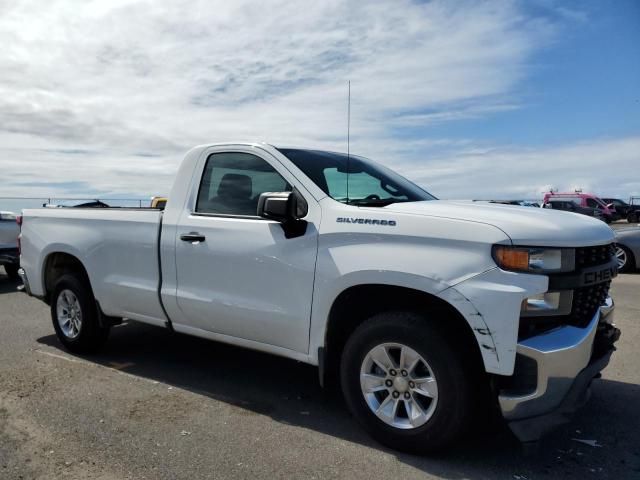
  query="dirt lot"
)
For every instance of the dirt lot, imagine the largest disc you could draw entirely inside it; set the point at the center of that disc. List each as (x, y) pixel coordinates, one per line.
(157, 405)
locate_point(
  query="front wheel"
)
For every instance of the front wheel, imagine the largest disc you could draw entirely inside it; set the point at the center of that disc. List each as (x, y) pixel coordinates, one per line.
(404, 381)
(75, 315)
(625, 259)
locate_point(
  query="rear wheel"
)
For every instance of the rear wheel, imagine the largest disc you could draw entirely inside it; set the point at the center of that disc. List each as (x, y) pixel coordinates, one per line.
(404, 381)
(632, 217)
(12, 272)
(75, 315)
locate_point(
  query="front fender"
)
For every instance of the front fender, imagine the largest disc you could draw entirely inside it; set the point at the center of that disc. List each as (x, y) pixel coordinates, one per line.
(491, 302)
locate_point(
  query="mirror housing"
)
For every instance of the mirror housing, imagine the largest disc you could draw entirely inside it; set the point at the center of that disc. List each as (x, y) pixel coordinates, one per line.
(288, 208)
(282, 206)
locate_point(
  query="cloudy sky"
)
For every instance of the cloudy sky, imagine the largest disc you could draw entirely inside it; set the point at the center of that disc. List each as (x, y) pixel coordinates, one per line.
(469, 99)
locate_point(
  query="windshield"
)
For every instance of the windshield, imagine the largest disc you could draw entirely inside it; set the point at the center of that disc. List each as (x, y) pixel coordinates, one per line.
(369, 184)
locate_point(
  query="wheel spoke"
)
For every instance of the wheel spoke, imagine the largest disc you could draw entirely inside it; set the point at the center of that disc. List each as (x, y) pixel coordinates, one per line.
(426, 387)
(409, 359)
(388, 409)
(372, 383)
(415, 412)
(381, 357)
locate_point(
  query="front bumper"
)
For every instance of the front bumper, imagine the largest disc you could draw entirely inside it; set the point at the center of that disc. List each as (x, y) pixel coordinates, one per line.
(553, 373)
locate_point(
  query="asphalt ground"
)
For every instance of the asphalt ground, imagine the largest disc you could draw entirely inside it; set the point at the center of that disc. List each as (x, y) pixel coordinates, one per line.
(157, 405)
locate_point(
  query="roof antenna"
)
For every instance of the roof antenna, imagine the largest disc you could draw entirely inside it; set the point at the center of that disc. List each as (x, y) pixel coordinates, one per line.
(348, 135)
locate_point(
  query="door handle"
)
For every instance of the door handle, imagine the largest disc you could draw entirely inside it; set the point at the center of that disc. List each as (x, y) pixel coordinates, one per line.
(193, 237)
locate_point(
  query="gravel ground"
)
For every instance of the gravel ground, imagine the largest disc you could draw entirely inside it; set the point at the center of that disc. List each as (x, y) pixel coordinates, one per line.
(156, 405)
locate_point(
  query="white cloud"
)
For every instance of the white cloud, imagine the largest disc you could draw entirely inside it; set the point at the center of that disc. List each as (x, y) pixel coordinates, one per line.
(104, 97)
(606, 166)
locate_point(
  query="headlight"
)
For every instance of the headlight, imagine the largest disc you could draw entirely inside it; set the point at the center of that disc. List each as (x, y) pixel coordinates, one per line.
(534, 259)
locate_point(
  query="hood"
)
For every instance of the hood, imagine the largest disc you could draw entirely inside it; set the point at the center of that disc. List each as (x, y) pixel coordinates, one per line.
(527, 226)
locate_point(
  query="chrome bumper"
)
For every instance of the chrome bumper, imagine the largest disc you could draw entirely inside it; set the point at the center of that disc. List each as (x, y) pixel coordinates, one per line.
(562, 363)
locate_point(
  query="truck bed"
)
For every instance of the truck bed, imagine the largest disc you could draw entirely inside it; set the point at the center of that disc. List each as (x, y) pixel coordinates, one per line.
(117, 246)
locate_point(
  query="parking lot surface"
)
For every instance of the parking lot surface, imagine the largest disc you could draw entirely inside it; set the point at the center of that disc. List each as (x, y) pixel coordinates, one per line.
(157, 405)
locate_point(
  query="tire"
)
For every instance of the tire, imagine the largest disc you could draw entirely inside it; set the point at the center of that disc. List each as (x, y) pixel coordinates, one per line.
(626, 260)
(12, 272)
(632, 217)
(452, 413)
(72, 294)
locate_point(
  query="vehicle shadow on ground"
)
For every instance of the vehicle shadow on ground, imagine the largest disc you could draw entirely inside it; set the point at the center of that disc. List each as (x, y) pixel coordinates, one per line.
(7, 285)
(289, 392)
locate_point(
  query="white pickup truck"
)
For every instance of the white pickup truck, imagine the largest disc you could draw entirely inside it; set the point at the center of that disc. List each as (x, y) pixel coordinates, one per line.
(423, 309)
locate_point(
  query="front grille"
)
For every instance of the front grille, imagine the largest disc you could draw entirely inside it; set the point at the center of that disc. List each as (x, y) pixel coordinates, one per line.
(593, 256)
(586, 302)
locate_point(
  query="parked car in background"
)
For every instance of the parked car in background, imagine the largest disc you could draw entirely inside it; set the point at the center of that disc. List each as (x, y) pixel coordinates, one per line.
(522, 203)
(9, 257)
(622, 207)
(633, 214)
(628, 249)
(584, 200)
(92, 204)
(569, 206)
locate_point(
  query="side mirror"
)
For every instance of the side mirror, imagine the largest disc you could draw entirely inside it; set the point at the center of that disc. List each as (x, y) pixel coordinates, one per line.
(282, 206)
(288, 208)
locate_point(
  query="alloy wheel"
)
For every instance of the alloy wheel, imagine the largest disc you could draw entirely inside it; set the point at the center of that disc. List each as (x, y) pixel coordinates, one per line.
(69, 313)
(398, 385)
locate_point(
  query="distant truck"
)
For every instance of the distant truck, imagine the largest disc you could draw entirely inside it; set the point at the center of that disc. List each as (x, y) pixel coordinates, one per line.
(569, 206)
(423, 310)
(633, 213)
(9, 257)
(622, 207)
(606, 212)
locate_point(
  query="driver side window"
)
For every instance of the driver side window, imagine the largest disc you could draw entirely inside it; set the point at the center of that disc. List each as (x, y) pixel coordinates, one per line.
(233, 182)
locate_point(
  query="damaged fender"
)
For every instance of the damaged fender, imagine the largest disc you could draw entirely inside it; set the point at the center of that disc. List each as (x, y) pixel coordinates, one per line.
(495, 329)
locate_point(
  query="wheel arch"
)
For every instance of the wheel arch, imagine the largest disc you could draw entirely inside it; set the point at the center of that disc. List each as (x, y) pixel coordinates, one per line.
(358, 302)
(57, 264)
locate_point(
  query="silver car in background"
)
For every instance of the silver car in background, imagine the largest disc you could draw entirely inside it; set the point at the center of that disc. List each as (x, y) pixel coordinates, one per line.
(628, 249)
(9, 257)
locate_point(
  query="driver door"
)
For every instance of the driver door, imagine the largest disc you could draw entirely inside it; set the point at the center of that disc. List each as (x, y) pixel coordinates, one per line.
(237, 274)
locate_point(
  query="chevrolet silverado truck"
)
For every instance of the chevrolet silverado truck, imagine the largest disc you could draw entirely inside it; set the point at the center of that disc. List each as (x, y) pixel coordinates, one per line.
(419, 309)
(9, 257)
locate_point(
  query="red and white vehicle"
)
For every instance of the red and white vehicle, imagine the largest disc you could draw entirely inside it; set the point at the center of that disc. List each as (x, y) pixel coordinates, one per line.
(584, 200)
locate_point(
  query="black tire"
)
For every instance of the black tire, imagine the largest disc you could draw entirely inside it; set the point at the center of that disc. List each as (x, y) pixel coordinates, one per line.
(12, 272)
(632, 217)
(453, 413)
(91, 334)
(630, 264)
